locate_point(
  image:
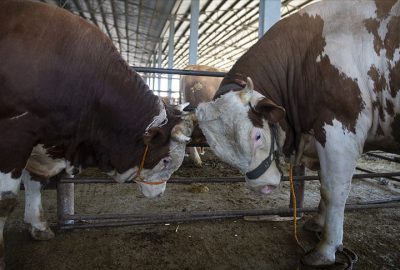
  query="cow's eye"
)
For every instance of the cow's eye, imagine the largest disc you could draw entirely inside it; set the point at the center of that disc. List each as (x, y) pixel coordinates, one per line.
(258, 136)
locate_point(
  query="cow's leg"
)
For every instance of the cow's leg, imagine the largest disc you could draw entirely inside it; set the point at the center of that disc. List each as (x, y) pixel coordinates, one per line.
(316, 223)
(38, 226)
(338, 159)
(9, 187)
(194, 155)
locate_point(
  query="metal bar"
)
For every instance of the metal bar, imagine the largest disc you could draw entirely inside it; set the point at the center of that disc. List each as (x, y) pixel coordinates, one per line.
(369, 171)
(116, 24)
(65, 202)
(171, 53)
(127, 31)
(90, 9)
(103, 17)
(80, 10)
(219, 179)
(178, 71)
(393, 159)
(159, 64)
(194, 31)
(207, 215)
(298, 187)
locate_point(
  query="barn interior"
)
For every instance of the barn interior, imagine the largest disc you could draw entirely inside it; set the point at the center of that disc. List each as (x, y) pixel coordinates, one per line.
(171, 34)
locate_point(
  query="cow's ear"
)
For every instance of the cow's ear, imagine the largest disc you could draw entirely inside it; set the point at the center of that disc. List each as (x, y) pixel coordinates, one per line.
(155, 136)
(269, 110)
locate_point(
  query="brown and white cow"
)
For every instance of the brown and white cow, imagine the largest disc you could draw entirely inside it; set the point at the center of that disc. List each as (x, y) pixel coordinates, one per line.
(326, 84)
(66, 93)
(197, 89)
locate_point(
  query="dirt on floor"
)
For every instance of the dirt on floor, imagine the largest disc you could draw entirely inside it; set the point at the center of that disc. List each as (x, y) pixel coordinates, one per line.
(220, 244)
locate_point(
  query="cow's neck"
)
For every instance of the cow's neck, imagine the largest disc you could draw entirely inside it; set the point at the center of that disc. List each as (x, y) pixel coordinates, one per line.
(115, 118)
(275, 64)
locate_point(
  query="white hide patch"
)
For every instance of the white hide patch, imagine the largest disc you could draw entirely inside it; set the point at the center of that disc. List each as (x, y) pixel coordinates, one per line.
(229, 132)
(40, 163)
(227, 128)
(7, 184)
(347, 29)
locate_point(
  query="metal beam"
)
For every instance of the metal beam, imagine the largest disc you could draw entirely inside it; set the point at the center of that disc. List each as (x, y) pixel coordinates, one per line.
(80, 10)
(194, 31)
(100, 5)
(126, 31)
(171, 53)
(159, 64)
(90, 9)
(116, 24)
(269, 14)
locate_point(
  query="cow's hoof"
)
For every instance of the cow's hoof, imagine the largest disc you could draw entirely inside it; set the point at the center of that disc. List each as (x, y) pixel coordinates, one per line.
(315, 258)
(312, 226)
(41, 235)
(198, 164)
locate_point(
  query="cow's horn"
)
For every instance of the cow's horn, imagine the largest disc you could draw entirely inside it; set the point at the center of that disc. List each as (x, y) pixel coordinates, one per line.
(182, 106)
(178, 135)
(246, 93)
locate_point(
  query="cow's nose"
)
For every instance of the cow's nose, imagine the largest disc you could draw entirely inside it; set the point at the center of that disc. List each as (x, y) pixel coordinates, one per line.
(166, 161)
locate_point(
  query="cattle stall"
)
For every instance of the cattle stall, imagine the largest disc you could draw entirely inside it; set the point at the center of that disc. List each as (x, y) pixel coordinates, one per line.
(207, 214)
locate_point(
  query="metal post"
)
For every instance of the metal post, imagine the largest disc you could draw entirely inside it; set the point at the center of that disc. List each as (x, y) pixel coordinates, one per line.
(159, 65)
(194, 31)
(171, 53)
(269, 14)
(154, 76)
(298, 170)
(65, 202)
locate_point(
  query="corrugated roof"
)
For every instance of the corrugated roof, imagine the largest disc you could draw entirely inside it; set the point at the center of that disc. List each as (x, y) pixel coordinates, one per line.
(227, 28)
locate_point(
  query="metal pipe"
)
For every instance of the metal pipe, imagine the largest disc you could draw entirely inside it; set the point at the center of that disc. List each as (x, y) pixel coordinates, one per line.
(65, 202)
(178, 71)
(218, 180)
(171, 46)
(269, 14)
(194, 31)
(393, 159)
(206, 215)
(369, 172)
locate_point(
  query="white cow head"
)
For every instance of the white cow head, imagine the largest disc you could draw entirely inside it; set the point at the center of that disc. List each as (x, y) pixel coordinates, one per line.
(240, 141)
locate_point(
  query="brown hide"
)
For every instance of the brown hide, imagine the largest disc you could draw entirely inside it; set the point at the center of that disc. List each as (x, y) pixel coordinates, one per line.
(197, 89)
(64, 84)
(283, 68)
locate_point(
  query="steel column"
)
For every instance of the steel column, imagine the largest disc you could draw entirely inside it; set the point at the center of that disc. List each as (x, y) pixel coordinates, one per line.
(298, 187)
(154, 77)
(159, 64)
(269, 14)
(65, 202)
(171, 53)
(194, 31)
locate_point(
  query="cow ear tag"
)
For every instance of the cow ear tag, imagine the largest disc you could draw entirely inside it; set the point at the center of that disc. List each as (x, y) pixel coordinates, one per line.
(247, 92)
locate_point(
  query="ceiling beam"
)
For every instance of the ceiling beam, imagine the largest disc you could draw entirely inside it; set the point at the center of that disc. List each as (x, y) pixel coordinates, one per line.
(92, 17)
(116, 24)
(126, 30)
(100, 5)
(80, 10)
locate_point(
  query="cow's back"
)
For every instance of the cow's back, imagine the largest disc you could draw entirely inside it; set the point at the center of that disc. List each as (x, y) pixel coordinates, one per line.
(363, 44)
(332, 61)
(197, 89)
(47, 57)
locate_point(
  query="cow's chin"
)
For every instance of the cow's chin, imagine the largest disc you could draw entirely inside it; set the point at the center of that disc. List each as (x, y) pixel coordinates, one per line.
(265, 184)
(152, 191)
